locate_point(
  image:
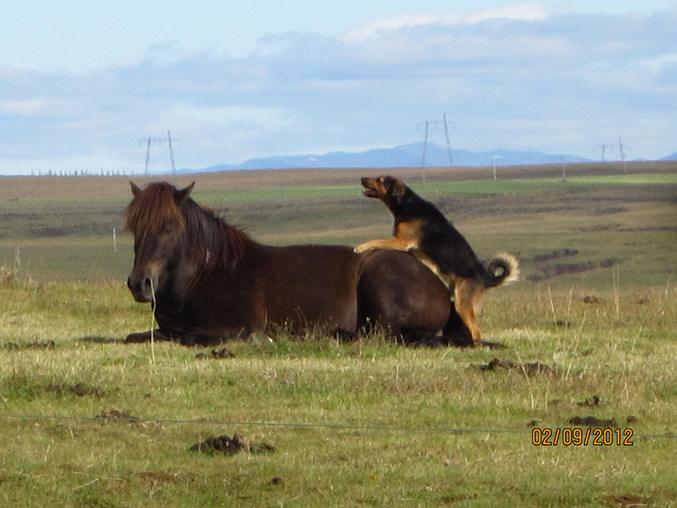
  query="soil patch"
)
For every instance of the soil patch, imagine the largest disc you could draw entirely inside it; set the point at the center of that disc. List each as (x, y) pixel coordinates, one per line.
(46, 344)
(627, 501)
(556, 254)
(78, 389)
(530, 369)
(555, 270)
(548, 269)
(593, 401)
(117, 415)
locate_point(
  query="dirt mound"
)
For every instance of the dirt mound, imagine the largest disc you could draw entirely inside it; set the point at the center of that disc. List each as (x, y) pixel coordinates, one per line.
(592, 421)
(216, 354)
(230, 445)
(590, 402)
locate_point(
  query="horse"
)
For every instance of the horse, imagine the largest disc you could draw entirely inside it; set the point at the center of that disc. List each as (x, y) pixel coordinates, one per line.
(209, 281)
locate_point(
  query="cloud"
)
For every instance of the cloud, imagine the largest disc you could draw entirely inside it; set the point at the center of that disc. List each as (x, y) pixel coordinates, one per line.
(520, 11)
(25, 107)
(513, 78)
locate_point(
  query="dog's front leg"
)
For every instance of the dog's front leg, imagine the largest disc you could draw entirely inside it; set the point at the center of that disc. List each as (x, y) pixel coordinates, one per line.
(385, 243)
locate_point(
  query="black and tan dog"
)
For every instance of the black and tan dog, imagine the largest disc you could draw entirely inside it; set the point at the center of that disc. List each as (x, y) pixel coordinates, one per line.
(422, 229)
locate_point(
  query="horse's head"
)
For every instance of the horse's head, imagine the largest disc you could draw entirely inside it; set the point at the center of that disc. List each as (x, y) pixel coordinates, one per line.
(155, 219)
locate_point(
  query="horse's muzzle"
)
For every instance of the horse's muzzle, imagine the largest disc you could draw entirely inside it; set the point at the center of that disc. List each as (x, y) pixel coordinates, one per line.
(141, 288)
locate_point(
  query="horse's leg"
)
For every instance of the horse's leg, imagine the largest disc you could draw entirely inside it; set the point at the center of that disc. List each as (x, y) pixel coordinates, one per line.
(133, 338)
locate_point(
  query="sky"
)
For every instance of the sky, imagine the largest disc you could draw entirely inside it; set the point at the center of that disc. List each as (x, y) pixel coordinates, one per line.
(84, 82)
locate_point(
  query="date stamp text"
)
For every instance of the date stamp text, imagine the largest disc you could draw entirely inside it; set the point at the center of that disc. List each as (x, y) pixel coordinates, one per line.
(577, 436)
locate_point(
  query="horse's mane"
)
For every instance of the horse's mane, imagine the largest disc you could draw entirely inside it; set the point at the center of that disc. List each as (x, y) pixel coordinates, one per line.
(152, 209)
(159, 205)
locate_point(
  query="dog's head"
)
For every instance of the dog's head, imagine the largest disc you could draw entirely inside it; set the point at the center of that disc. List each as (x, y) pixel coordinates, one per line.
(386, 188)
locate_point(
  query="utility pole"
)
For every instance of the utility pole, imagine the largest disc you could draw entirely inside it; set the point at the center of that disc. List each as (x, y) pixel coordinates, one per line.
(446, 135)
(602, 149)
(147, 156)
(159, 141)
(171, 151)
(494, 159)
(425, 142)
(621, 148)
(427, 125)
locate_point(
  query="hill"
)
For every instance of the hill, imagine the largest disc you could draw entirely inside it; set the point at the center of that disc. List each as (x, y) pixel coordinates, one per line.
(411, 155)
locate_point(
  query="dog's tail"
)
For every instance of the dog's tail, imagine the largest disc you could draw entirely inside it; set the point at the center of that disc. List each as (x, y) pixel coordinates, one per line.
(503, 268)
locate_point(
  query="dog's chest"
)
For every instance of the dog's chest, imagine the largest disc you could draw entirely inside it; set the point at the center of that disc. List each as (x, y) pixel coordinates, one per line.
(409, 230)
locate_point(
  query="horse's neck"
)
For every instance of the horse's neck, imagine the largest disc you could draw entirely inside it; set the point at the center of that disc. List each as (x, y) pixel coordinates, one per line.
(219, 244)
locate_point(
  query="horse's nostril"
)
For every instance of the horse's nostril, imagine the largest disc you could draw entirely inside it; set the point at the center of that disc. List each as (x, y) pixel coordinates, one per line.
(142, 288)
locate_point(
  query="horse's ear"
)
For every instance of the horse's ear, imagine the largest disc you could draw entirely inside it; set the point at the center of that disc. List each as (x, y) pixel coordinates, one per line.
(135, 188)
(181, 194)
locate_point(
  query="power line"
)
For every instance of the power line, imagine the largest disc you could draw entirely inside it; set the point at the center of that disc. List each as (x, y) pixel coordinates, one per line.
(297, 425)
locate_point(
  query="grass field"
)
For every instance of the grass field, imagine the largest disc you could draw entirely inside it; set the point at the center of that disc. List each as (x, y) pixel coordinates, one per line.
(89, 421)
(63, 227)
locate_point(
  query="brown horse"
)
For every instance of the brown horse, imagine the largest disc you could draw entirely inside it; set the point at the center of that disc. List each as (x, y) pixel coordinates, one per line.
(209, 281)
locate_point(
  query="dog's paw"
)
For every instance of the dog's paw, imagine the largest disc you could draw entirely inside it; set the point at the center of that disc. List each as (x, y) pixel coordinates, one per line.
(363, 247)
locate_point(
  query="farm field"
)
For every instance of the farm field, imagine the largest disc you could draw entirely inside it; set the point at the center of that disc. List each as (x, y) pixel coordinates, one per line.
(87, 420)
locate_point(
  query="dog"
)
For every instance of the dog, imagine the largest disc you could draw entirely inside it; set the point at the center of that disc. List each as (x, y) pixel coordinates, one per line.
(423, 230)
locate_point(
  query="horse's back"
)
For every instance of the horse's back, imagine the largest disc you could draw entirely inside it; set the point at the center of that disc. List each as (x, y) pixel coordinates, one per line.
(312, 285)
(331, 286)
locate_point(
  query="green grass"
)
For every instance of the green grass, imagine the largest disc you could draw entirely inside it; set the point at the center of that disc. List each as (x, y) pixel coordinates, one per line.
(628, 179)
(363, 424)
(318, 193)
(606, 223)
(368, 423)
(90, 258)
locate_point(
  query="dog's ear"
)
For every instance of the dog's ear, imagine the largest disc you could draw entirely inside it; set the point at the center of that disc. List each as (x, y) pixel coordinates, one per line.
(398, 188)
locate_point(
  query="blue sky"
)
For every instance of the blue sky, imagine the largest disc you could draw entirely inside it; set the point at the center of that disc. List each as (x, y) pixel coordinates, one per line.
(81, 82)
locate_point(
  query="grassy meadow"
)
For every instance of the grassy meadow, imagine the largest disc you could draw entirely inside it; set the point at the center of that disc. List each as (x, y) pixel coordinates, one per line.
(88, 421)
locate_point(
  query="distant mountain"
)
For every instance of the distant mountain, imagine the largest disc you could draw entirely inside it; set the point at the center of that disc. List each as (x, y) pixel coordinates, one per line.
(672, 157)
(400, 156)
